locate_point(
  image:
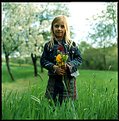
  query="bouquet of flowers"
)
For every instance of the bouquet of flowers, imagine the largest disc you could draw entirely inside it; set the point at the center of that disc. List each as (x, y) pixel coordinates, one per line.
(61, 58)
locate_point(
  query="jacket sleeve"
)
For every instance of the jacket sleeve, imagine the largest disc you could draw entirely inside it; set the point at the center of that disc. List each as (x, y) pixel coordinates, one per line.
(75, 62)
(44, 61)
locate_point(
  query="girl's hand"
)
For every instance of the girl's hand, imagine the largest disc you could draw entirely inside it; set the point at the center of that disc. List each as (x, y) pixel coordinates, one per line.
(59, 70)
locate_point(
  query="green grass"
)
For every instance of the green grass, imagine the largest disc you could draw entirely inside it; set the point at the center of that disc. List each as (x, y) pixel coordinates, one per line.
(24, 98)
(19, 72)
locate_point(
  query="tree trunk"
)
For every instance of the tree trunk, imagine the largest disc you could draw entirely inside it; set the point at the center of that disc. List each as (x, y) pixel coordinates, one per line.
(41, 68)
(8, 67)
(104, 58)
(34, 60)
(7, 63)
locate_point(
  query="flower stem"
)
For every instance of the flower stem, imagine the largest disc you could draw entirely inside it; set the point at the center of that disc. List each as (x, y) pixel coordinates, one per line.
(63, 80)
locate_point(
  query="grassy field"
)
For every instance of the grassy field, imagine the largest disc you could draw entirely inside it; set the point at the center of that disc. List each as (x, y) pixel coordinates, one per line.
(24, 98)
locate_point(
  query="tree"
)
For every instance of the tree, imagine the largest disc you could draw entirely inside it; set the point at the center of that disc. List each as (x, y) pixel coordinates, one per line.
(104, 30)
(10, 34)
(84, 46)
(25, 27)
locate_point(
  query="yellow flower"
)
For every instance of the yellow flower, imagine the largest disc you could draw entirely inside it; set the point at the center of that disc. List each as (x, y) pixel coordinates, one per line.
(59, 58)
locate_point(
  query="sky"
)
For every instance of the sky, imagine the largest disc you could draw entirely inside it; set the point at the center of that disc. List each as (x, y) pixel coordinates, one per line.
(80, 11)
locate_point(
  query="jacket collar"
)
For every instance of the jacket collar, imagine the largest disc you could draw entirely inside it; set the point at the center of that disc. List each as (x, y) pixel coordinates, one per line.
(56, 42)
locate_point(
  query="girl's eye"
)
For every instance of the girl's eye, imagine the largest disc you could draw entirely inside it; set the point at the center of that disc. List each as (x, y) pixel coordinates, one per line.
(57, 26)
(62, 26)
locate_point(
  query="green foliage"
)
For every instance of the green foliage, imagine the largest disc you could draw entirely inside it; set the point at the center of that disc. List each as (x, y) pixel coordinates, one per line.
(84, 46)
(93, 57)
(21, 60)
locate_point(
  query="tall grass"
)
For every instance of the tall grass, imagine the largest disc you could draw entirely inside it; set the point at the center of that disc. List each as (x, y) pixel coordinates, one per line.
(97, 97)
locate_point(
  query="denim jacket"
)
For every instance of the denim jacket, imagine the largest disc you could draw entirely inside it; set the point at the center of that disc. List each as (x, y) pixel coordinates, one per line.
(48, 58)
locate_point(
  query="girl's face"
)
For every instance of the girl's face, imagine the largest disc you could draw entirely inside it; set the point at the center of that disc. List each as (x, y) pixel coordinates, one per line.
(59, 29)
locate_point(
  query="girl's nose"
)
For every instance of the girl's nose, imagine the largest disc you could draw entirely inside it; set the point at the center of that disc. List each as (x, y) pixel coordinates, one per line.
(59, 28)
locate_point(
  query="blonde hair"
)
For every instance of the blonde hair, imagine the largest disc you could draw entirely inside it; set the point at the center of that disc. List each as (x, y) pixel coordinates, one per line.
(67, 30)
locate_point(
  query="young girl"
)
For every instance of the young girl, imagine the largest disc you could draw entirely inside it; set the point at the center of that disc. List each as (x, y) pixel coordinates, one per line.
(62, 80)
